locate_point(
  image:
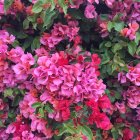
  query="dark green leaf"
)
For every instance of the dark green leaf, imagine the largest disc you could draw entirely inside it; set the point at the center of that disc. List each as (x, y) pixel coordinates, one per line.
(16, 100)
(37, 8)
(69, 128)
(49, 18)
(116, 47)
(8, 93)
(48, 108)
(132, 47)
(110, 26)
(7, 4)
(36, 43)
(118, 26)
(37, 104)
(87, 132)
(41, 112)
(26, 24)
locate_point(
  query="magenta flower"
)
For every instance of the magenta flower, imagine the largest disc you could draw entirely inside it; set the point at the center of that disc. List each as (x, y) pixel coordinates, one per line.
(134, 75)
(27, 59)
(132, 95)
(121, 107)
(90, 12)
(122, 77)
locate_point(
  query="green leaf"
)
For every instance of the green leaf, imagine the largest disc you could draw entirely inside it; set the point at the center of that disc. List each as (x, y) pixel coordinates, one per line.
(105, 58)
(37, 8)
(49, 18)
(8, 93)
(16, 100)
(21, 35)
(48, 108)
(7, 4)
(87, 132)
(76, 13)
(69, 128)
(108, 44)
(137, 38)
(110, 25)
(132, 47)
(41, 112)
(117, 60)
(63, 6)
(52, 5)
(37, 104)
(116, 47)
(138, 51)
(115, 133)
(118, 26)
(28, 41)
(36, 43)
(61, 131)
(16, 43)
(26, 23)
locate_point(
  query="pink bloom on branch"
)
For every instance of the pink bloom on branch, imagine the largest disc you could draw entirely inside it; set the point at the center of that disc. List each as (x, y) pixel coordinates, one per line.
(127, 134)
(1, 104)
(92, 1)
(90, 12)
(109, 3)
(104, 102)
(132, 95)
(134, 75)
(27, 59)
(15, 54)
(122, 77)
(1, 8)
(121, 107)
(103, 122)
(131, 31)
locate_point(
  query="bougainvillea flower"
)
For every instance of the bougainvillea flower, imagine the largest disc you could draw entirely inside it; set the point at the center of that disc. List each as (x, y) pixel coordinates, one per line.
(90, 12)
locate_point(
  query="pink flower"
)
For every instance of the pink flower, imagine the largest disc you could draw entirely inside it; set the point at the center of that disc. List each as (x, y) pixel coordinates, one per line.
(20, 71)
(1, 104)
(11, 128)
(122, 77)
(121, 107)
(90, 12)
(27, 59)
(103, 122)
(1, 8)
(65, 114)
(45, 97)
(132, 95)
(15, 54)
(3, 134)
(104, 102)
(92, 1)
(44, 39)
(131, 31)
(134, 75)
(127, 134)
(41, 52)
(6, 38)
(3, 48)
(26, 105)
(109, 3)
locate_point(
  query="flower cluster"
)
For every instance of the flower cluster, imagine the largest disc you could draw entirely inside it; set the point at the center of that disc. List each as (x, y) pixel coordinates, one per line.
(69, 69)
(60, 32)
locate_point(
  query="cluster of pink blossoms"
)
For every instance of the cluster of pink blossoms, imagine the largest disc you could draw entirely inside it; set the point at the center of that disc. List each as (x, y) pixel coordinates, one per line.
(62, 79)
(60, 32)
(132, 95)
